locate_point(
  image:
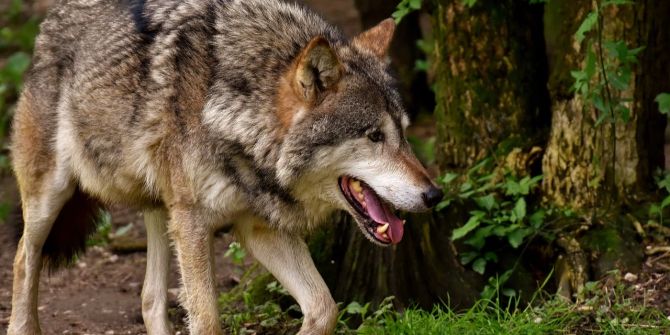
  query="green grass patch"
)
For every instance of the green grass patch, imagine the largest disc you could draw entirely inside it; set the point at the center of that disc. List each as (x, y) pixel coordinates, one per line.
(260, 306)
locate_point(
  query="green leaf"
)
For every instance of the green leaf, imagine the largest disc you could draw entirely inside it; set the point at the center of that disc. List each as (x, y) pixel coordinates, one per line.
(519, 210)
(491, 256)
(486, 202)
(624, 113)
(508, 292)
(468, 257)
(443, 204)
(604, 115)
(14, 68)
(663, 101)
(415, 4)
(620, 81)
(516, 237)
(665, 202)
(472, 223)
(449, 177)
(478, 239)
(469, 3)
(536, 219)
(586, 26)
(512, 187)
(479, 265)
(421, 65)
(467, 186)
(399, 14)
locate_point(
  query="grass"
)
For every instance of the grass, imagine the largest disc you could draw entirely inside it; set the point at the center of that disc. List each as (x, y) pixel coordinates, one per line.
(260, 306)
(488, 318)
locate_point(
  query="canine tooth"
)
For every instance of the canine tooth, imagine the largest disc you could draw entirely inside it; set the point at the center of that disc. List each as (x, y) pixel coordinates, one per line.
(383, 228)
(360, 196)
(385, 236)
(356, 186)
(403, 222)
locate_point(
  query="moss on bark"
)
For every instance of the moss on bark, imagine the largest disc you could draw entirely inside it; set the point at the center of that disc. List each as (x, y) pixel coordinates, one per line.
(490, 77)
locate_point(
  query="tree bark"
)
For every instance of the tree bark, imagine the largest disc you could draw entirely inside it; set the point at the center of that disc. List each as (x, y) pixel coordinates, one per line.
(490, 77)
(610, 164)
(598, 169)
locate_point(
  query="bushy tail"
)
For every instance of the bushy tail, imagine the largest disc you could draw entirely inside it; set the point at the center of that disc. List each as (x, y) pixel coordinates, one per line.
(74, 224)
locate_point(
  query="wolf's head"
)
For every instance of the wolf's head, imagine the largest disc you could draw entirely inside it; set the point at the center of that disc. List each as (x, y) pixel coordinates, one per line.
(345, 143)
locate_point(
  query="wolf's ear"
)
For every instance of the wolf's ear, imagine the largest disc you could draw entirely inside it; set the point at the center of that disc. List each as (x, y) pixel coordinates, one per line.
(318, 70)
(376, 39)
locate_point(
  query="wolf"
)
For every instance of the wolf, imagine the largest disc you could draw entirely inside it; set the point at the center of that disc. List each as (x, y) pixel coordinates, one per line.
(251, 114)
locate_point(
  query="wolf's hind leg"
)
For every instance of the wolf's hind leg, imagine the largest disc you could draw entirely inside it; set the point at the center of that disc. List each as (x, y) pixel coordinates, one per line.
(154, 291)
(40, 210)
(287, 257)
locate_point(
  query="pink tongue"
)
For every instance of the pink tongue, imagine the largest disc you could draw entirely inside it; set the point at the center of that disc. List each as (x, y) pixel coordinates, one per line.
(381, 214)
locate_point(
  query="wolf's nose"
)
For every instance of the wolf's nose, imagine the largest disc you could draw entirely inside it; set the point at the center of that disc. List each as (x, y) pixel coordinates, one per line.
(432, 196)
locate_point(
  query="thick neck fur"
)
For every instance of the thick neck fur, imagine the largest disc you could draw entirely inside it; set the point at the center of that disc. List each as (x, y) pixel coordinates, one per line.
(246, 135)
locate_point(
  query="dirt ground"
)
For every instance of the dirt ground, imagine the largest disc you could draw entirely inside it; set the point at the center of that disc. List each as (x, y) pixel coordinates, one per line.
(100, 293)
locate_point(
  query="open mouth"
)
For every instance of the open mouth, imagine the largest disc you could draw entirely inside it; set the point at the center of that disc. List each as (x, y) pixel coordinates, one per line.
(379, 220)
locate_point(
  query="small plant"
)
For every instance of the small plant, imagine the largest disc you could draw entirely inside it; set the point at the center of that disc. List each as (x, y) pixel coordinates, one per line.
(259, 305)
(501, 210)
(663, 183)
(236, 253)
(404, 8)
(104, 228)
(663, 101)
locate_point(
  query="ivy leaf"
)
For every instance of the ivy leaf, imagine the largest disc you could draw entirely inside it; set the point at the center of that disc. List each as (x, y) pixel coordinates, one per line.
(586, 26)
(663, 101)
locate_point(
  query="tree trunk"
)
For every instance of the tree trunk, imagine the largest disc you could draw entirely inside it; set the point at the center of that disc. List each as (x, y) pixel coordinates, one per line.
(597, 169)
(490, 75)
(587, 165)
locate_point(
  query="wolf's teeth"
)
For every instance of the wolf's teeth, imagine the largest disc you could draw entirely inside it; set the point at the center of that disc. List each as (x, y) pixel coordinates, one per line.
(356, 186)
(364, 204)
(385, 236)
(383, 228)
(360, 196)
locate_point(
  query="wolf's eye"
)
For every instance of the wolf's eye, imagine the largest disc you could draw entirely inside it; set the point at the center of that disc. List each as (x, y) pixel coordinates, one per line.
(376, 136)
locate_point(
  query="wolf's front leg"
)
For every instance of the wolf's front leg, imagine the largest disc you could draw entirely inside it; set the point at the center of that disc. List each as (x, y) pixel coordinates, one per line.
(192, 235)
(286, 256)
